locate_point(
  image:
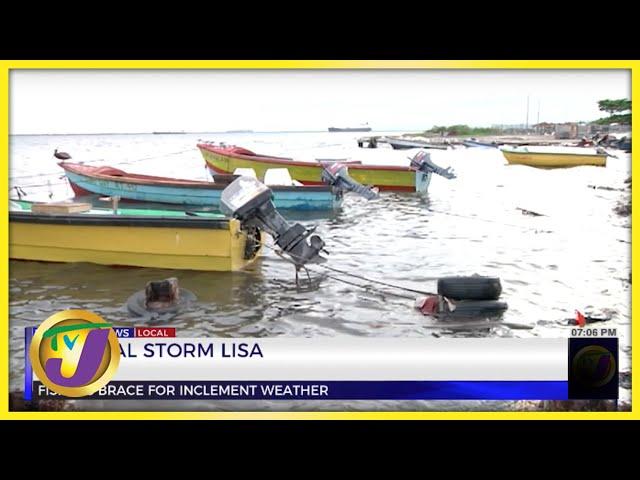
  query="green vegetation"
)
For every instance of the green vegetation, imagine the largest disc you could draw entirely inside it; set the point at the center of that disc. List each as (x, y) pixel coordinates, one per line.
(615, 108)
(461, 131)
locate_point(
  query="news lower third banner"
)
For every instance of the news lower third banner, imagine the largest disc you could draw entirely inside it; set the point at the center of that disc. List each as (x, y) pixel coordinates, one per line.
(164, 367)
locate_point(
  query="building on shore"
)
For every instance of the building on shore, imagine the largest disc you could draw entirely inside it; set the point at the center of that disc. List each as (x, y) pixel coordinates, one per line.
(573, 130)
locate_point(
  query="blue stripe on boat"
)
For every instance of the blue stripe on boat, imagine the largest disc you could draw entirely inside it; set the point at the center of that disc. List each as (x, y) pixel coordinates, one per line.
(299, 199)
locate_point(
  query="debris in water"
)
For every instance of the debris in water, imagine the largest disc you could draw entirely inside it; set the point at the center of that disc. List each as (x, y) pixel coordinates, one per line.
(582, 320)
(623, 209)
(602, 187)
(17, 403)
(444, 308)
(162, 298)
(530, 212)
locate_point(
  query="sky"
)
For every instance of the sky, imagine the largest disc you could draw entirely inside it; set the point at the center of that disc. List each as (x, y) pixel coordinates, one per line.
(119, 101)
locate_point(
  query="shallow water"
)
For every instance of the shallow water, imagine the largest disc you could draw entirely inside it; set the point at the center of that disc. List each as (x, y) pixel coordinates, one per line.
(577, 256)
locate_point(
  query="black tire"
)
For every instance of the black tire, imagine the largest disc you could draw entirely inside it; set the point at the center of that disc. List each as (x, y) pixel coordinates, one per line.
(478, 308)
(470, 288)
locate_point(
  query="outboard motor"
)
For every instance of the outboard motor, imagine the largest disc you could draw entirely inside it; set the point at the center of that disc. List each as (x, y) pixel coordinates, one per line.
(249, 200)
(422, 162)
(337, 175)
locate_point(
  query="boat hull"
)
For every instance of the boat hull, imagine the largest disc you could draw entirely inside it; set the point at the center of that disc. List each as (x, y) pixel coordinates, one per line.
(472, 144)
(393, 178)
(157, 242)
(553, 160)
(408, 145)
(197, 193)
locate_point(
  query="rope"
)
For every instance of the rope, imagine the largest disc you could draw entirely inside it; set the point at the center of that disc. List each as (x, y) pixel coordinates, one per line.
(36, 175)
(491, 221)
(130, 162)
(21, 192)
(48, 184)
(366, 287)
(422, 292)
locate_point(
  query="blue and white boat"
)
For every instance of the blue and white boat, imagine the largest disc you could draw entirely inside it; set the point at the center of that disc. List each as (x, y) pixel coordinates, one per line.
(109, 181)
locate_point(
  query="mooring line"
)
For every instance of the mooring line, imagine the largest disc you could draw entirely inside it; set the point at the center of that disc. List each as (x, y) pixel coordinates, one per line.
(407, 289)
(522, 227)
(366, 287)
(128, 162)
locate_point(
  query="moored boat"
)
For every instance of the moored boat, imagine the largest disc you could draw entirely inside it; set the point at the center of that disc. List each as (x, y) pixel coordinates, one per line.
(404, 144)
(132, 237)
(226, 159)
(85, 179)
(555, 157)
(472, 142)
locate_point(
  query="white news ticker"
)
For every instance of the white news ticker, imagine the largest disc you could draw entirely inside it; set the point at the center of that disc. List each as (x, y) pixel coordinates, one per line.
(326, 359)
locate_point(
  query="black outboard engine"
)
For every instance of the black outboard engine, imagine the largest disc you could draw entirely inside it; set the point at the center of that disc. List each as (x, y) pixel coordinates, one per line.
(422, 162)
(249, 201)
(337, 175)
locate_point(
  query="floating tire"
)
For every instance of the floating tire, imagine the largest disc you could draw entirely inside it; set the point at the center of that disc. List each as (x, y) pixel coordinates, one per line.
(478, 308)
(470, 288)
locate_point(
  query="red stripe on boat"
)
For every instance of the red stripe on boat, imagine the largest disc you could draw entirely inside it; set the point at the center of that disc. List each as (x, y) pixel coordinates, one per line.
(392, 188)
(78, 190)
(234, 153)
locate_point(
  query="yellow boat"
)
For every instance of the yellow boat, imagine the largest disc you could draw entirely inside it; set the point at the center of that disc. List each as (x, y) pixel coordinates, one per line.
(141, 238)
(555, 157)
(226, 159)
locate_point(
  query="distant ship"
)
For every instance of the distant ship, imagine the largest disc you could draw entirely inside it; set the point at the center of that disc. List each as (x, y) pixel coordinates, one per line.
(350, 129)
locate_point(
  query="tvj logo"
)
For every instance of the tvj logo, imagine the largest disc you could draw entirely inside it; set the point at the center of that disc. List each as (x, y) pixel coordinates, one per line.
(74, 353)
(594, 366)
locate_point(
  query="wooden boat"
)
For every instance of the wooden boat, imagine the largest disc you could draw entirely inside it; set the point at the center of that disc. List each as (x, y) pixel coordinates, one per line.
(132, 237)
(111, 181)
(403, 144)
(400, 143)
(471, 142)
(555, 157)
(225, 159)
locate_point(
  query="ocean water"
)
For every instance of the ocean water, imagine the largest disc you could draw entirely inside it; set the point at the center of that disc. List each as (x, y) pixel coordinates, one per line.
(575, 256)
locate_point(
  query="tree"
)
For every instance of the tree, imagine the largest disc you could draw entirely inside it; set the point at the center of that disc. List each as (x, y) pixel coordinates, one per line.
(614, 109)
(614, 106)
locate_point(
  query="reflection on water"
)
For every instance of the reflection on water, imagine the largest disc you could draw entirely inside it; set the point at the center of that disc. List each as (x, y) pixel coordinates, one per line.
(575, 256)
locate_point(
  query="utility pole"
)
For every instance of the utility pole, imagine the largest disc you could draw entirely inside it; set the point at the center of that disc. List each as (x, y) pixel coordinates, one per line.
(538, 112)
(527, 123)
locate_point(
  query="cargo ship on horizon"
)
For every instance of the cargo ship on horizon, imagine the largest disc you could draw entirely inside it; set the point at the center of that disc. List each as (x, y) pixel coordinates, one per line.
(365, 128)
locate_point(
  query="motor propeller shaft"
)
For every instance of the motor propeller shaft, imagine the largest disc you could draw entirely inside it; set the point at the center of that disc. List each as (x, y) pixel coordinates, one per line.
(422, 161)
(337, 175)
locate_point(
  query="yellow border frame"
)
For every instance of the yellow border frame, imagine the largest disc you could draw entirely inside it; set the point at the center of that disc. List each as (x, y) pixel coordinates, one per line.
(7, 65)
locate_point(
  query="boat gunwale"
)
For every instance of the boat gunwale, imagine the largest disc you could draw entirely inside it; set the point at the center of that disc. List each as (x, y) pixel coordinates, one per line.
(107, 220)
(589, 155)
(297, 163)
(138, 179)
